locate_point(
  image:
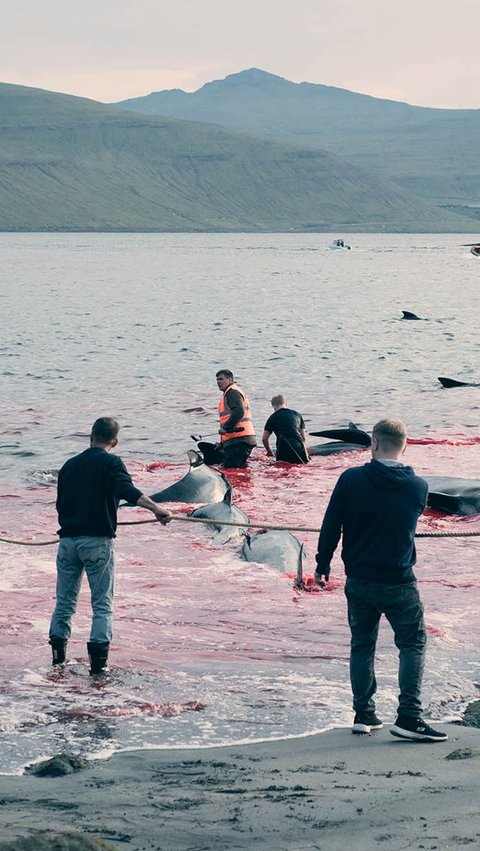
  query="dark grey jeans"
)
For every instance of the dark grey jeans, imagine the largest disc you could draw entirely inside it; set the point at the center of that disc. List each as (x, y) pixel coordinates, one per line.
(402, 607)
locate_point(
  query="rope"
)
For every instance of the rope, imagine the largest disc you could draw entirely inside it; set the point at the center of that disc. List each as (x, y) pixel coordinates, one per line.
(283, 528)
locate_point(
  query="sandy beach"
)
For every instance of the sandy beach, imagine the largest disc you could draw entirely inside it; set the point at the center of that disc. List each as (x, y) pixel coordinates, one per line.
(328, 791)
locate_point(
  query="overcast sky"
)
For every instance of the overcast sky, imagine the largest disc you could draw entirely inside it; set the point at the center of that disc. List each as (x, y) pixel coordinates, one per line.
(422, 51)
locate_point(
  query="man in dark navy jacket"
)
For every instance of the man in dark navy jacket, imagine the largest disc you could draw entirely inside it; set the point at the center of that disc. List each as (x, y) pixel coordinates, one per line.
(90, 486)
(375, 509)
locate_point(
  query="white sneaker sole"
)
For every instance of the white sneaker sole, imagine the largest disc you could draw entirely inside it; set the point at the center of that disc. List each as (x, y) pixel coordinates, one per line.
(366, 728)
(400, 733)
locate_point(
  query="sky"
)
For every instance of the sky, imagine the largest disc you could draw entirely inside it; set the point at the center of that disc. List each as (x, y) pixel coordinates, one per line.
(424, 52)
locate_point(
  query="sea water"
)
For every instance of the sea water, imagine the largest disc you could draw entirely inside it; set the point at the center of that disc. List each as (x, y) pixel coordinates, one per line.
(209, 649)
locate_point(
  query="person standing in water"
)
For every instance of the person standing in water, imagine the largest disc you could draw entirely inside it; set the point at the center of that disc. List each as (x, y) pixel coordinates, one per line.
(237, 434)
(90, 486)
(289, 428)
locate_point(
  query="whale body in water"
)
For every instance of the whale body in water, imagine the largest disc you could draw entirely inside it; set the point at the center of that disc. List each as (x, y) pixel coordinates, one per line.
(280, 549)
(200, 484)
(344, 440)
(220, 512)
(452, 382)
(407, 314)
(453, 496)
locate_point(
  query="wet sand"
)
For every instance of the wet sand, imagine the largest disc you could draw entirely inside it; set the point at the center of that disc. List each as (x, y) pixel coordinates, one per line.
(330, 791)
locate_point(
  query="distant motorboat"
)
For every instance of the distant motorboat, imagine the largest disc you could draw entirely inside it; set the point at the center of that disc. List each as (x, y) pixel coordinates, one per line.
(339, 243)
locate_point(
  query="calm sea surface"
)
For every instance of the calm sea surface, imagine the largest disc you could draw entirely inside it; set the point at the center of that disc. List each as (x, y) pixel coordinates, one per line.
(209, 649)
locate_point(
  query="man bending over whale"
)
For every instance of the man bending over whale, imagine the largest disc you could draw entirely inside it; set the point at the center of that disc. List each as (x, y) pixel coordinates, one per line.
(90, 486)
(237, 435)
(375, 508)
(289, 428)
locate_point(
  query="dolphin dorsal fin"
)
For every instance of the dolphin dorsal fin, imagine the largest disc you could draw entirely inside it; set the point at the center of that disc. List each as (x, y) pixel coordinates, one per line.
(227, 499)
(300, 565)
(195, 458)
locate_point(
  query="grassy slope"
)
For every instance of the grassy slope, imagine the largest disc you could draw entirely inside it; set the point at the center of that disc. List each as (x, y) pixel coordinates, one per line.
(68, 163)
(431, 151)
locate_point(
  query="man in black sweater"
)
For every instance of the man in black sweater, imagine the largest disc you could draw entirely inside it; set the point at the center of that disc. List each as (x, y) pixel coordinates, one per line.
(90, 486)
(375, 509)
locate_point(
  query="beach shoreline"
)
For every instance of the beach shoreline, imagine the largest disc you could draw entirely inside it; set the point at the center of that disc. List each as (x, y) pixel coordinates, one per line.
(322, 791)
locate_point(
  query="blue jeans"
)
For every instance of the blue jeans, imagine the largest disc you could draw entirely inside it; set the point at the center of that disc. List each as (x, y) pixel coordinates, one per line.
(402, 607)
(95, 556)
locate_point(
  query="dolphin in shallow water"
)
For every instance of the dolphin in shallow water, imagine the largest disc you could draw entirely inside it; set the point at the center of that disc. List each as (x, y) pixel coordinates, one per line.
(453, 496)
(345, 440)
(221, 511)
(279, 549)
(200, 484)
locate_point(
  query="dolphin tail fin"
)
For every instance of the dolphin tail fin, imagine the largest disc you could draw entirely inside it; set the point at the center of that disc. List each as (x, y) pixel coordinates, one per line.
(195, 458)
(246, 544)
(299, 579)
(224, 534)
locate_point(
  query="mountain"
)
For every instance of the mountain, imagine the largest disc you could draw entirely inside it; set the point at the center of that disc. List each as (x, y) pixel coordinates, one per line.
(433, 152)
(68, 163)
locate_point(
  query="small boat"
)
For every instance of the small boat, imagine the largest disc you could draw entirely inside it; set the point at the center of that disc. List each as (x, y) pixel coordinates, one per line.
(339, 243)
(475, 250)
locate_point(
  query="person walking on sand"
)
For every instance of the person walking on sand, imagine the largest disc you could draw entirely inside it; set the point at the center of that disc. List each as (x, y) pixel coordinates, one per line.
(90, 486)
(375, 509)
(289, 428)
(237, 434)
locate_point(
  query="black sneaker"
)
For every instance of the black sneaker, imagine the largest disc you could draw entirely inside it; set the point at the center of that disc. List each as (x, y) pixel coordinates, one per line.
(417, 730)
(365, 722)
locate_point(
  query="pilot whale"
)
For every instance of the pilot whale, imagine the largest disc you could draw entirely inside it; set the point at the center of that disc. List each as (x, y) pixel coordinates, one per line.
(407, 314)
(452, 382)
(453, 496)
(277, 548)
(221, 511)
(345, 440)
(200, 484)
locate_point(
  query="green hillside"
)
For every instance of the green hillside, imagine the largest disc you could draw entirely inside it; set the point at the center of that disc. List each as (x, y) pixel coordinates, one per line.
(433, 152)
(67, 163)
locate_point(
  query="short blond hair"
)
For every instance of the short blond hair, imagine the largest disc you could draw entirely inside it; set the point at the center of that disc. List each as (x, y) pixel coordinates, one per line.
(390, 433)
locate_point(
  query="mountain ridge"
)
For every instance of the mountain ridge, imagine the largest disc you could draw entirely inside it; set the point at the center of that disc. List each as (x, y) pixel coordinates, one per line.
(432, 152)
(70, 163)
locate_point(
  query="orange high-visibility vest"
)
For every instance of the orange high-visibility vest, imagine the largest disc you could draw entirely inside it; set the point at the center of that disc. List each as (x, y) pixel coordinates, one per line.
(244, 427)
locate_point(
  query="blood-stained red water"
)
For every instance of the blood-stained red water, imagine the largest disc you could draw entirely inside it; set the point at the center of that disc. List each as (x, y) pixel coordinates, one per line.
(208, 648)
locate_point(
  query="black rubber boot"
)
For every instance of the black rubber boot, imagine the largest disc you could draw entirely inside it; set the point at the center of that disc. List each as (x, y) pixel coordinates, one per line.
(98, 655)
(59, 649)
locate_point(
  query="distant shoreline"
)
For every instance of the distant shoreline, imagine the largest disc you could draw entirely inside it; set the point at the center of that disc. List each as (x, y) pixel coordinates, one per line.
(342, 229)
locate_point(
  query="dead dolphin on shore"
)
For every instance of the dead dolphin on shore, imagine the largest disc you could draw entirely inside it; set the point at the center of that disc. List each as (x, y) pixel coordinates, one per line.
(345, 440)
(278, 548)
(221, 511)
(452, 382)
(200, 485)
(453, 496)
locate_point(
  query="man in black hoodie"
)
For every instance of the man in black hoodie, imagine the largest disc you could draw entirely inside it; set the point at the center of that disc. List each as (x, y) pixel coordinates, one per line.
(375, 509)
